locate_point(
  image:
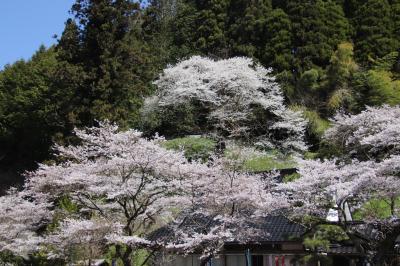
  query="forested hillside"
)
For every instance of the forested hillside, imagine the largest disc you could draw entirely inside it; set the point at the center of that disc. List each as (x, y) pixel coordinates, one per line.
(150, 115)
(326, 55)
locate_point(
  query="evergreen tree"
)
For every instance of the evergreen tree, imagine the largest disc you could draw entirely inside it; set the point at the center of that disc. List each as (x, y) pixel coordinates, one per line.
(104, 61)
(375, 88)
(374, 31)
(28, 113)
(350, 6)
(337, 26)
(318, 27)
(200, 27)
(183, 31)
(395, 8)
(158, 33)
(247, 26)
(211, 23)
(277, 51)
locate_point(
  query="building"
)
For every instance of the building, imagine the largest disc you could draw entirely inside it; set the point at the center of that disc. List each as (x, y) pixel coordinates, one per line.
(279, 243)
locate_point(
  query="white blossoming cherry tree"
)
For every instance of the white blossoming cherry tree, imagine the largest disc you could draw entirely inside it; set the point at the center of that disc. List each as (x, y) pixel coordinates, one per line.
(121, 186)
(368, 170)
(21, 216)
(234, 98)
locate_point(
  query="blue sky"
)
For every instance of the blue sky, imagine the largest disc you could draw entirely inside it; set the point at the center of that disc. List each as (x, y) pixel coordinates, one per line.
(26, 24)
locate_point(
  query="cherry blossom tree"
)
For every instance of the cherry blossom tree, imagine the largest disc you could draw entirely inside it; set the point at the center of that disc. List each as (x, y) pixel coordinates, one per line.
(369, 169)
(234, 97)
(123, 186)
(374, 133)
(21, 216)
(221, 207)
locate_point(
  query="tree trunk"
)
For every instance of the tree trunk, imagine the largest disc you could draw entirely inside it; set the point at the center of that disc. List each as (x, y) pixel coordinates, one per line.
(126, 258)
(148, 257)
(392, 205)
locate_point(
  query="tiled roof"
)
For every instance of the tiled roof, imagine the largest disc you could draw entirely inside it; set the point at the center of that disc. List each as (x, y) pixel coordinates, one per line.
(279, 228)
(269, 229)
(342, 250)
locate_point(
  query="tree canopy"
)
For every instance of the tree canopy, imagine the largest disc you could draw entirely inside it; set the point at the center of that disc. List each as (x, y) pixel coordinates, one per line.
(233, 98)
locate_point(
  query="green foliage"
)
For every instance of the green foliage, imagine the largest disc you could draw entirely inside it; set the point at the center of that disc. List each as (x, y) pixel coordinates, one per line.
(181, 26)
(320, 240)
(387, 62)
(28, 113)
(317, 244)
(7, 258)
(314, 243)
(180, 120)
(193, 148)
(291, 177)
(311, 155)
(376, 208)
(268, 162)
(210, 22)
(339, 98)
(332, 233)
(277, 52)
(309, 80)
(342, 66)
(318, 27)
(395, 12)
(316, 126)
(66, 204)
(247, 25)
(317, 259)
(374, 30)
(138, 257)
(37, 259)
(376, 87)
(340, 72)
(254, 160)
(104, 62)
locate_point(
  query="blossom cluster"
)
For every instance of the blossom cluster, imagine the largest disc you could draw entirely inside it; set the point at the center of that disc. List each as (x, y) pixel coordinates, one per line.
(241, 99)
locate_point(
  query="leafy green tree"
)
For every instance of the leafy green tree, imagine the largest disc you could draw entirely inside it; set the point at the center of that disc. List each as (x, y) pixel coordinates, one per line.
(342, 65)
(104, 61)
(374, 31)
(28, 114)
(375, 88)
(338, 92)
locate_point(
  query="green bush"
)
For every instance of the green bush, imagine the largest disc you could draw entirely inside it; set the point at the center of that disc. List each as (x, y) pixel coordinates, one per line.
(267, 163)
(376, 208)
(316, 124)
(194, 148)
(254, 160)
(376, 87)
(291, 177)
